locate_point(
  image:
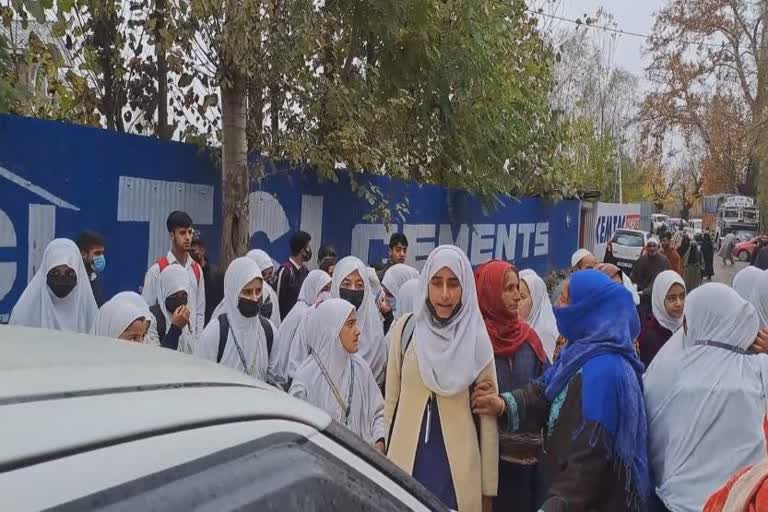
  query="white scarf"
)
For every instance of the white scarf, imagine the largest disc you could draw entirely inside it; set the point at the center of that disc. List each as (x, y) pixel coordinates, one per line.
(745, 282)
(373, 280)
(450, 357)
(39, 307)
(706, 404)
(174, 279)
(365, 403)
(247, 333)
(373, 347)
(396, 276)
(406, 298)
(279, 361)
(262, 259)
(541, 318)
(117, 314)
(661, 286)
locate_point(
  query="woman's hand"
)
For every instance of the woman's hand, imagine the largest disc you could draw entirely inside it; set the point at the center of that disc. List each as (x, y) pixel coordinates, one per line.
(485, 401)
(380, 447)
(760, 346)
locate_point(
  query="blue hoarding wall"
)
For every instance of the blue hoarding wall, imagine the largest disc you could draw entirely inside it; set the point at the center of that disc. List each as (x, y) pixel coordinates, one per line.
(58, 179)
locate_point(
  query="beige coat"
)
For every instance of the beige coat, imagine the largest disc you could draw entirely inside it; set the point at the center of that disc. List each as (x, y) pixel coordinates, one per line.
(474, 467)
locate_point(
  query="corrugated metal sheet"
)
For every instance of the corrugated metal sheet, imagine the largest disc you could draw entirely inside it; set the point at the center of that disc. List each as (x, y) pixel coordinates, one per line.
(265, 215)
(147, 200)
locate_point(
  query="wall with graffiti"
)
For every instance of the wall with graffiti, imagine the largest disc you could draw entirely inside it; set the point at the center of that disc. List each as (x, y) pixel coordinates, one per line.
(57, 179)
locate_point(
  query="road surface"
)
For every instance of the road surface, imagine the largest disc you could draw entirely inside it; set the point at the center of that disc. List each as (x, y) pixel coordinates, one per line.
(725, 274)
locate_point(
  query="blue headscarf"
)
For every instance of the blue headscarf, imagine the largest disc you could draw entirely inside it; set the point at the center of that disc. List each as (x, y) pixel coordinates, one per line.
(600, 326)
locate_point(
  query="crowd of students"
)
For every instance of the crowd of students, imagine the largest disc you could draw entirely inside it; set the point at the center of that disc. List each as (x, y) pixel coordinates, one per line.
(626, 394)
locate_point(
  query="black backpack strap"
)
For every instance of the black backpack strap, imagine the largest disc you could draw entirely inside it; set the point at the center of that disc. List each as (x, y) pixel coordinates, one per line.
(268, 331)
(223, 335)
(159, 320)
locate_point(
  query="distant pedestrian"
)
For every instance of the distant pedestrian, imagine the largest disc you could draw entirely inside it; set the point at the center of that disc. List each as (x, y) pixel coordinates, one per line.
(92, 249)
(693, 263)
(648, 266)
(292, 273)
(726, 248)
(580, 260)
(708, 253)
(212, 275)
(670, 252)
(180, 232)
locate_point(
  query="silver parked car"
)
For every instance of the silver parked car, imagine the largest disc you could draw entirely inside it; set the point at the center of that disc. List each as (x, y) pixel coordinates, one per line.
(94, 424)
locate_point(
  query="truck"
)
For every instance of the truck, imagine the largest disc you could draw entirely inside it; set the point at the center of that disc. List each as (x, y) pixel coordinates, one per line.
(731, 213)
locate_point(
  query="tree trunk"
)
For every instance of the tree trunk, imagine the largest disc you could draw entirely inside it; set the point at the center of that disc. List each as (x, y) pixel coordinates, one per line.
(163, 130)
(759, 160)
(234, 165)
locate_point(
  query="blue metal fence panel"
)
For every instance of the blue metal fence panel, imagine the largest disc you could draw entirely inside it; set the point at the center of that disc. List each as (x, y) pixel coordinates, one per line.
(57, 179)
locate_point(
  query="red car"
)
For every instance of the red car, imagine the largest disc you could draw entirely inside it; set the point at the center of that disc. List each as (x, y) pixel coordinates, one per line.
(743, 250)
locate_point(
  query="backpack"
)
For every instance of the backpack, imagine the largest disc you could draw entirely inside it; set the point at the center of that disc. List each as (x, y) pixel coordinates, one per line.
(224, 335)
(163, 264)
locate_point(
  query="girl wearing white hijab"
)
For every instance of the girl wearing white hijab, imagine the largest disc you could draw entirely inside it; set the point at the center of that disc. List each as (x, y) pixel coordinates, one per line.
(269, 306)
(125, 317)
(394, 278)
(406, 298)
(315, 285)
(170, 324)
(436, 356)
(59, 296)
(707, 401)
(536, 309)
(337, 380)
(245, 348)
(668, 303)
(745, 281)
(350, 282)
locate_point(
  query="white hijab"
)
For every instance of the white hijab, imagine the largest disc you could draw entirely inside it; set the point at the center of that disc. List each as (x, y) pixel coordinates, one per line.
(541, 317)
(247, 333)
(396, 276)
(705, 403)
(264, 261)
(373, 280)
(406, 298)
(759, 297)
(373, 348)
(745, 282)
(39, 307)
(450, 357)
(280, 359)
(118, 313)
(661, 286)
(366, 416)
(173, 279)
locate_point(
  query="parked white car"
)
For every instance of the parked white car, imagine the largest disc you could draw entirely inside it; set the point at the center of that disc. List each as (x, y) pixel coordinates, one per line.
(91, 424)
(695, 227)
(625, 248)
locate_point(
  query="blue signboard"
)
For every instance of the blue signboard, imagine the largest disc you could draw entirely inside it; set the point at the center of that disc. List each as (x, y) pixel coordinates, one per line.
(58, 179)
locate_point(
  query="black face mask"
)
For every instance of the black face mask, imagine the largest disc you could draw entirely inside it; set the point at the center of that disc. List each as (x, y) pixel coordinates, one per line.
(173, 303)
(354, 297)
(248, 308)
(265, 309)
(442, 322)
(61, 286)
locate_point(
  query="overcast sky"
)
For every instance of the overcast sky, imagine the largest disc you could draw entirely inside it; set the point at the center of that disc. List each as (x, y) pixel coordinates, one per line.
(630, 15)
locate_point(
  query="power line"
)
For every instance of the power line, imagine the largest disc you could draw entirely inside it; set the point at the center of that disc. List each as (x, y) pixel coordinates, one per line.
(608, 28)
